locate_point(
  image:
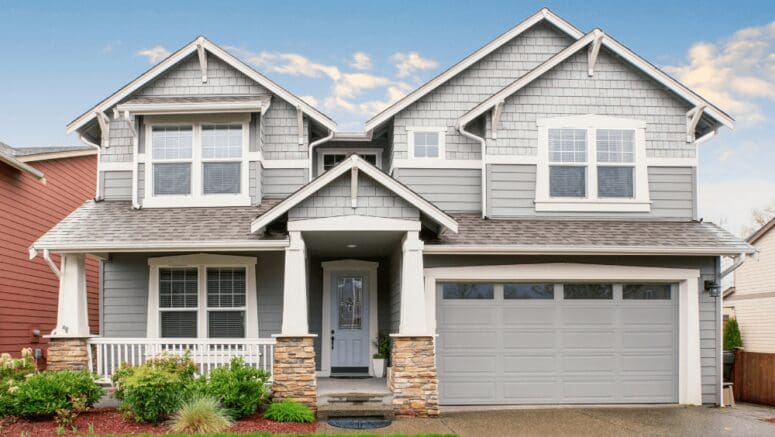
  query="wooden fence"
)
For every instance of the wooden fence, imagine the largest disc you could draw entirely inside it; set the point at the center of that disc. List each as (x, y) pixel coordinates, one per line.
(753, 376)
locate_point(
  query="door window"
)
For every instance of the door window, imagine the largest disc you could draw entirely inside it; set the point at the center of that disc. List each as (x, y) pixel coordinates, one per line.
(350, 301)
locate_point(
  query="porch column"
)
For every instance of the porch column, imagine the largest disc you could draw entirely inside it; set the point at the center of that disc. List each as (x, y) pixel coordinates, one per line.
(413, 378)
(294, 356)
(67, 348)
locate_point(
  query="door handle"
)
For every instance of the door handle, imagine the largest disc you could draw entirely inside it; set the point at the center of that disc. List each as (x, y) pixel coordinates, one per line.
(332, 339)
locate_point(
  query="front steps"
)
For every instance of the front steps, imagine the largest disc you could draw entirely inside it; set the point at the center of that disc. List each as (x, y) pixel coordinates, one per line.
(354, 398)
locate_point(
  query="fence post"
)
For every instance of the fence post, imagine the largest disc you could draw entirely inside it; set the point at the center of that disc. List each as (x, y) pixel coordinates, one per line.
(738, 376)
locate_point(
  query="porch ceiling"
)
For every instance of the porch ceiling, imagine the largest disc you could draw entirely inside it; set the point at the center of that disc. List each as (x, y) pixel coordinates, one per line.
(367, 244)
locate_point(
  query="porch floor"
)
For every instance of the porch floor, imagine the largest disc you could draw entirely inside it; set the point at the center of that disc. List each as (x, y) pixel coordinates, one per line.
(365, 386)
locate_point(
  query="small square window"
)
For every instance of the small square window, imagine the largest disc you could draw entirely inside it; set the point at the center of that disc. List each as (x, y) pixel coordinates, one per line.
(468, 291)
(426, 144)
(646, 292)
(528, 291)
(588, 291)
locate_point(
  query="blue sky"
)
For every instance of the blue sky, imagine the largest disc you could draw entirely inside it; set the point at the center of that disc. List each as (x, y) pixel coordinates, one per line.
(61, 58)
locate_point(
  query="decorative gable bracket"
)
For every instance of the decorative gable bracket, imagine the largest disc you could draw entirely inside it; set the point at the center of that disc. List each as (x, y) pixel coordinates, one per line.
(202, 53)
(692, 119)
(354, 188)
(497, 110)
(104, 122)
(594, 51)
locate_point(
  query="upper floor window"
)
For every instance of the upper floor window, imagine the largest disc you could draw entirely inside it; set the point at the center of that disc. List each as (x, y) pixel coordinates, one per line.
(196, 164)
(329, 158)
(426, 143)
(591, 163)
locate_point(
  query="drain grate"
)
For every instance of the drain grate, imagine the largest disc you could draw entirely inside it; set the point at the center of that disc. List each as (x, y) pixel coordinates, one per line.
(359, 422)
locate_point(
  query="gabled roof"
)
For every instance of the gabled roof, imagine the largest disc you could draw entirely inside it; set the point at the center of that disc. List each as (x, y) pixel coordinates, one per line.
(761, 231)
(181, 54)
(543, 15)
(399, 189)
(7, 157)
(620, 50)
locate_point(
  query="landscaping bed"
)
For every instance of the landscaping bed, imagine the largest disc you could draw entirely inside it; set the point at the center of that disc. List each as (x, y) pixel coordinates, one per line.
(109, 421)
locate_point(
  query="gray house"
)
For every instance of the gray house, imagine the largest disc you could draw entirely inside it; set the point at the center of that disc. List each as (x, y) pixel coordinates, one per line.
(524, 226)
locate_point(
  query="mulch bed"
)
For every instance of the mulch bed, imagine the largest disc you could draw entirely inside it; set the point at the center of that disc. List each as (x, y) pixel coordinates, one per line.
(111, 421)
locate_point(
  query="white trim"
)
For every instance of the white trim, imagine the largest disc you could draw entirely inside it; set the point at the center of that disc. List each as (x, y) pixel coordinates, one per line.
(433, 212)
(689, 369)
(436, 163)
(498, 249)
(116, 166)
(201, 261)
(591, 123)
(197, 198)
(176, 57)
(512, 159)
(542, 15)
(671, 162)
(256, 105)
(164, 246)
(348, 265)
(360, 151)
(285, 163)
(441, 138)
(354, 223)
(45, 156)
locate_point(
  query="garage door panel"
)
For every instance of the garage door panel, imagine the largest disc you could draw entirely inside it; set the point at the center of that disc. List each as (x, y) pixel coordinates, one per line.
(589, 364)
(469, 365)
(535, 391)
(468, 391)
(649, 390)
(589, 390)
(529, 315)
(587, 315)
(463, 316)
(478, 339)
(588, 339)
(529, 363)
(647, 339)
(650, 362)
(538, 339)
(647, 316)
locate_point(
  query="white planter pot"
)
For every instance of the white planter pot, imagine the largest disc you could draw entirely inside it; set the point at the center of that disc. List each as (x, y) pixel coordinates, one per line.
(378, 365)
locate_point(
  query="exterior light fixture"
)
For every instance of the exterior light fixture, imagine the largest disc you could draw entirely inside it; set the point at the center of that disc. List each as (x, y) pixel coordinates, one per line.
(713, 288)
(352, 246)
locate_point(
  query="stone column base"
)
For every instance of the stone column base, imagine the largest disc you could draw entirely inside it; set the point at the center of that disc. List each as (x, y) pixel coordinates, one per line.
(294, 371)
(67, 354)
(413, 378)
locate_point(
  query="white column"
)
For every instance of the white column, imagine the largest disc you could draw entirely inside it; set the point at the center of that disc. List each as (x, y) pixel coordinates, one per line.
(295, 288)
(689, 372)
(413, 315)
(73, 310)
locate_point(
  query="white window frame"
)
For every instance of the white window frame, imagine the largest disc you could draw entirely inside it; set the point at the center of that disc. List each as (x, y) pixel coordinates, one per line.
(360, 151)
(640, 201)
(441, 131)
(201, 262)
(197, 198)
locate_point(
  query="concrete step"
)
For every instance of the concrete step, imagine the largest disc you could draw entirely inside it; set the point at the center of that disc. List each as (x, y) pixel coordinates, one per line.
(342, 409)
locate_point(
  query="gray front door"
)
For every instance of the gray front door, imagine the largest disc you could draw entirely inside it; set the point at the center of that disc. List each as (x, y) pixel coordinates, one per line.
(349, 322)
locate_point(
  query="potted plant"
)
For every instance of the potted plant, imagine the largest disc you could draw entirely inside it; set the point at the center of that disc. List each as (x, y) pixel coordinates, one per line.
(383, 354)
(732, 341)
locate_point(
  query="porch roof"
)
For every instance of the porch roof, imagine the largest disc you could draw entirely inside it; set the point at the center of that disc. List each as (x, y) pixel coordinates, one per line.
(116, 226)
(590, 237)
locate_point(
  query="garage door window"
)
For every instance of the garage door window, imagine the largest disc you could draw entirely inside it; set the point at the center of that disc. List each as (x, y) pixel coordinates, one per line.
(646, 292)
(528, 291)
(588, 291)
(468, 291)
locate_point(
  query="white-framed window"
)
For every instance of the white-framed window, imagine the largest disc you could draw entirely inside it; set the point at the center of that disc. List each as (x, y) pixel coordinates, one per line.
(426, 142)
(202, 296)
(591, 163)
(196, 161)
(329, 158)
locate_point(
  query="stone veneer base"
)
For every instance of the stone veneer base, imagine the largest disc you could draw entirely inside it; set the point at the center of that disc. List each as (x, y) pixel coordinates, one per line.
(294, 371)
(413, 377)
(67, 353)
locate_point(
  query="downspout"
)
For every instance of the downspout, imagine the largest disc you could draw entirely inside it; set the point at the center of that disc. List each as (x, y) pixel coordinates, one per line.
(312, 146)
(46, 257)
(462, 129)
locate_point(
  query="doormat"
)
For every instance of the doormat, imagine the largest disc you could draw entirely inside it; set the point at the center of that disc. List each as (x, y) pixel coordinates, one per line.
(359, 422)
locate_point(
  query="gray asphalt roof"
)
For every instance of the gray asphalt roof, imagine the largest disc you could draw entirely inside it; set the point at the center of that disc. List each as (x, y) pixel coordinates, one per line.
(27, 151)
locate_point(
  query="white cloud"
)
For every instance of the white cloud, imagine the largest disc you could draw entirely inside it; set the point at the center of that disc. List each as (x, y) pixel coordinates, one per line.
(737, 73)
(155, 54)
(729, 203)
(310, 99)
(292, 64)
(361, 61)
(408, 63)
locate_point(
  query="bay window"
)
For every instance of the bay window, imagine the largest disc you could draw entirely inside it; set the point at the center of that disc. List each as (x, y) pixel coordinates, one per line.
(196, 163)
(591, 163)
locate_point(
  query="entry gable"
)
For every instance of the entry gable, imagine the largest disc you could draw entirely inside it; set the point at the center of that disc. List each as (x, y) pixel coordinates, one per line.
(355, 188)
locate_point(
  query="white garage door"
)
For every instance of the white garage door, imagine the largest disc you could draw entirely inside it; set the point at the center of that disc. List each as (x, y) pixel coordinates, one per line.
(557, 343)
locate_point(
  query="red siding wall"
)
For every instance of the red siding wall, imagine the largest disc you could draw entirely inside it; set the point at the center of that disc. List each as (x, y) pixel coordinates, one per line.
(29, 208)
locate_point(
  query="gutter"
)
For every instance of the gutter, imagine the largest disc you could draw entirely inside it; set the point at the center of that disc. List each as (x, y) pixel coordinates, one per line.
(163, 246)
(464, 249)
(739, 260)
(312, 146)
(462, 129)
(46, 257)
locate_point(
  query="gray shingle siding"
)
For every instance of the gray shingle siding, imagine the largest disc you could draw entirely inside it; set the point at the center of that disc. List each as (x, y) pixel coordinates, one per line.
(396, 259)
(280, 182)
(710, 336)
(255, 182)
(451, 189)
(442, 106)
(335, 200)
(617, 89)
(511, 193)
(116, 185)
(281, 132)
(140, 183)
(120, 142)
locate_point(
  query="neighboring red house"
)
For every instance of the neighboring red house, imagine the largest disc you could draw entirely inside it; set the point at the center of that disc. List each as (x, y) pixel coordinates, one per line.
(38, 187)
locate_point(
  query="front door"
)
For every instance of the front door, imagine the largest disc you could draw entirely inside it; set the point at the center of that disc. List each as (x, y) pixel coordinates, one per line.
(349, 322)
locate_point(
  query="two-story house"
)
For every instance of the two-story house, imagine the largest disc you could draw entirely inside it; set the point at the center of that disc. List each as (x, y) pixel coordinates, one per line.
(524, 226)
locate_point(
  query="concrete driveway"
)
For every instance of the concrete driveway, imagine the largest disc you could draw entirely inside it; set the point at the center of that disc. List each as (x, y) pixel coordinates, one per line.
(744, 420)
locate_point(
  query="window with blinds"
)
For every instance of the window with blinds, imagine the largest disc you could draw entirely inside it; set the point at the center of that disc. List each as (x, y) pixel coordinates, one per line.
(171, 152)
(568, 162)
(616, 162)
(221, 159)
(178, 302)
(226, 296)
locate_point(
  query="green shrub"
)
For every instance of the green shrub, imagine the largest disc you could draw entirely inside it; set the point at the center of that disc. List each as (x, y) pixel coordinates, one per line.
(13, 371)
(151, 394)
(732, 337)
(200, 415)
(239, 388)
(180, 365)
(46, 393)
(289, 411)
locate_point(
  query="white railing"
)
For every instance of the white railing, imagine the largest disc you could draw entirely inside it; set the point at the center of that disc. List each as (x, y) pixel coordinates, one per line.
(111, 353)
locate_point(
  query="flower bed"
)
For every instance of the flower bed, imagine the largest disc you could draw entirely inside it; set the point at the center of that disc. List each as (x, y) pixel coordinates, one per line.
(110, 421)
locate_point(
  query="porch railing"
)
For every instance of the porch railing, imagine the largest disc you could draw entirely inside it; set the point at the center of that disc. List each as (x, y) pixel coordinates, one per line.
(108, 354)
